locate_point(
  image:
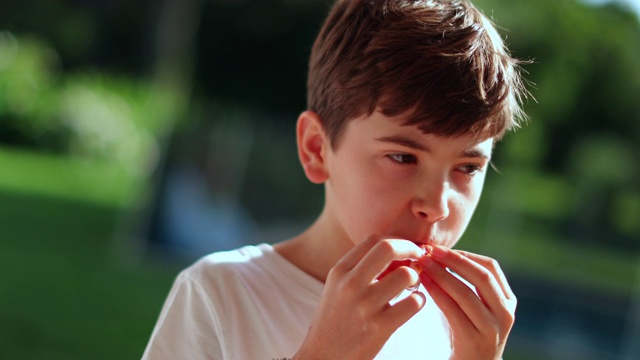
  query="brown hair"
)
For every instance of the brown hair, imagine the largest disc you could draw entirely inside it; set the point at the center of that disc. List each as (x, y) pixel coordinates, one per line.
(441, 62)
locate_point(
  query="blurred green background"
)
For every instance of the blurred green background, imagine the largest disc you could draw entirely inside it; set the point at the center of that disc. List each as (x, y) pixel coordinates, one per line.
(138, 136)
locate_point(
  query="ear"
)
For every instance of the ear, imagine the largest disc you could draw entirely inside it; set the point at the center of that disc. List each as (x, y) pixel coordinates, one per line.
(312, 146)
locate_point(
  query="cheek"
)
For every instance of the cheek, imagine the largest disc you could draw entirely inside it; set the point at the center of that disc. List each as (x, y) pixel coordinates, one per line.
(368, 203)
(468, 191)
(370, 200)
(462, 211)
(361, 182)
(464, 205)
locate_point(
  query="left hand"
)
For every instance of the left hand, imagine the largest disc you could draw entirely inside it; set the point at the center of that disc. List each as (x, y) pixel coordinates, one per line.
(480, 321)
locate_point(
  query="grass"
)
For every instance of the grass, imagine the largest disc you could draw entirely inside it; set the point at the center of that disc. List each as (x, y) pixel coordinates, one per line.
(65, 178)
(68, 290)
(65, 294)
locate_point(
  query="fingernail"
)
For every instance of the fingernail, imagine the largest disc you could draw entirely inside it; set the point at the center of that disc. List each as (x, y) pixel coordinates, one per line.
(415, 286)
(414, 265)
(428, 249)
(439, 252)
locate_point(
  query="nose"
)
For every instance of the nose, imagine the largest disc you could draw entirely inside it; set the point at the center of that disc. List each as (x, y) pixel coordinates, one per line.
(432, 204)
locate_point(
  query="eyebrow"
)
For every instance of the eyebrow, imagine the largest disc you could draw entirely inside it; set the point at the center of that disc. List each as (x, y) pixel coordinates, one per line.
(404, 141)
(412, 144)
(475, 153)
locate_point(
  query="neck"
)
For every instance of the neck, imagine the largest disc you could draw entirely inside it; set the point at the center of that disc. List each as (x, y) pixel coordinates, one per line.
(318, 248)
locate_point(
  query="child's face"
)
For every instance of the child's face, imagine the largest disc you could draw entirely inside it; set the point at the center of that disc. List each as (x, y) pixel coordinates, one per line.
(388, 179)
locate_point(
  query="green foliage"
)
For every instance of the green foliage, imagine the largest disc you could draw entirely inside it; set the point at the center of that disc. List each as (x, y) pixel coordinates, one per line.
(28, 73)
(585, 128)
(90, 115)
(114, 120)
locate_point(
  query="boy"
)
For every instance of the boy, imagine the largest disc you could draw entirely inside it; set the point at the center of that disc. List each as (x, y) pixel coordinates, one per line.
(405, 102)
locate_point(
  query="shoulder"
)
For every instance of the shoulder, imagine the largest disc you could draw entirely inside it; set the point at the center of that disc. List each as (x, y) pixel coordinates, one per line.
(251, 272)
(226, 262)
(204, 301)
(222, 269)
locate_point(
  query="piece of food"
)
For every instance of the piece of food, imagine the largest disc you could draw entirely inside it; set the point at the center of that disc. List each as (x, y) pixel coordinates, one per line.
(407, 262)
(396, 264)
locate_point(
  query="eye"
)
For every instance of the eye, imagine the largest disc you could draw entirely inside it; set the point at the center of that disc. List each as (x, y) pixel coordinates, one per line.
(403, 159)
(470, 169)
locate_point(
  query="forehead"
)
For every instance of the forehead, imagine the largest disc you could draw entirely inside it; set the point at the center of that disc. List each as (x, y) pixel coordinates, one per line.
(377, 126)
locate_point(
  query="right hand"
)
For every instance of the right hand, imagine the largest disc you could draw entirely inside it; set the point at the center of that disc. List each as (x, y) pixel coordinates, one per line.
(354, 318)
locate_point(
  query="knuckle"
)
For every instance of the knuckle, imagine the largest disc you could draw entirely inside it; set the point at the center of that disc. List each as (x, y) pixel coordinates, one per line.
(373, 239)
(493, 264)
(334, 272)
(342, 281)
(338, 270)
(509, 315)
(486, 277)
(508, 322)
(385, 246)
(512, 305)
(507, 318)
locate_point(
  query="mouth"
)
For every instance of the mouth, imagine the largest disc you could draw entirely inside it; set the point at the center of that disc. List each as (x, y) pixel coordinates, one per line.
(424, 242)
(424, 236)
(431, 238)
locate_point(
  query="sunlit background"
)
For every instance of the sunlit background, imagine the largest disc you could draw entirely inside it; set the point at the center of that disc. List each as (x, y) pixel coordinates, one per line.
(137, 136)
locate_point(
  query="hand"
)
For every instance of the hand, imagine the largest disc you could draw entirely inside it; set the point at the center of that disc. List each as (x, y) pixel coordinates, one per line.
(480, 323)
(354, 318)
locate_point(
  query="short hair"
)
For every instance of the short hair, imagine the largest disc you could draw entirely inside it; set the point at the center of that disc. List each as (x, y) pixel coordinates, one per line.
(441, 62)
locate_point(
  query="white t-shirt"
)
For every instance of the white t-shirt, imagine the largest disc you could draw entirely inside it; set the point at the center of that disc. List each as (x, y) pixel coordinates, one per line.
(252, 303)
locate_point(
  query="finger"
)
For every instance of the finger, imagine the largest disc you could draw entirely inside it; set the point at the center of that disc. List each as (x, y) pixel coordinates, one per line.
(456, 317)
(353, 257)
(464, 297)
(393, 284)
(478, 275)
(383, 253)
(493, 266)
(399, 313)
(485, 282)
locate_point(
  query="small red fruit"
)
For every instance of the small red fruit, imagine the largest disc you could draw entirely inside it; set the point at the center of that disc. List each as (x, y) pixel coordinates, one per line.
(394, 265)
(407, 262)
